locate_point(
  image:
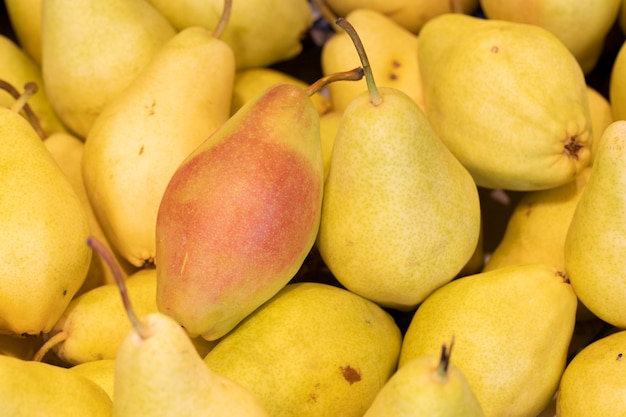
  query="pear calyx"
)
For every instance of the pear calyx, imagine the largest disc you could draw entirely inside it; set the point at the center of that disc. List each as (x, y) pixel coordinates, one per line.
(571, 147)
(444, 361)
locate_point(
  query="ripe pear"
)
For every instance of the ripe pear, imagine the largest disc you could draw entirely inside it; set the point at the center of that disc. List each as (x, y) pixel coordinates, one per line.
(410, 14)
(427, 385)
(100, 371)
(92, 50)
(261, 32)
(391, 50)
(329, 125)
(593, 382)
(560, 17)
(241, 213)
(493, 100)
(617, 85)
(17, 68)
(601, 117)
(25, 18)
(180, 98)
(401, 215)
(31, 388)
(312, 350)
(595, 243)
(512, 328)
(43, 257)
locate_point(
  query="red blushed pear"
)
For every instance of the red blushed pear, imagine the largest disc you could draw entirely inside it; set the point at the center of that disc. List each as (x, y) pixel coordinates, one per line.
(241, 213)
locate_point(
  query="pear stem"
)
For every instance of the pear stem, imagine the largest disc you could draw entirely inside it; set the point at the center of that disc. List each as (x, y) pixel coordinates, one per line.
(444, 361)
(107, 256)
(21, 103)
(352, 75)
(49, 344)
(224, 19)
(375, 97)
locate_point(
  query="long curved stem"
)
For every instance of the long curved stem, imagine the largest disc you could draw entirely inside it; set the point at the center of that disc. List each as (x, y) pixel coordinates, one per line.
(224, 19)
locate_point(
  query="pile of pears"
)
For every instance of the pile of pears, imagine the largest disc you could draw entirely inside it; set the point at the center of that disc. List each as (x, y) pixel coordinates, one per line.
(425, 218)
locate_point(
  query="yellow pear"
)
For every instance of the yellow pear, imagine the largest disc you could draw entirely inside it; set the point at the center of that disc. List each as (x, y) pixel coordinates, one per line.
(100, 371)
(595, 242)
(260, 32)
(25, 17)
(400, 214)
(512, 328)
(492, 97)
(427, 385)
(43, 256)
(312, 350)
(329, 125)
(142, 136)
(391, 50)
(617, 85)
(30, 388)
(251, 82)
(17, 68)
(562, 17)
(593, 382)
(92, 50)
(601, 117)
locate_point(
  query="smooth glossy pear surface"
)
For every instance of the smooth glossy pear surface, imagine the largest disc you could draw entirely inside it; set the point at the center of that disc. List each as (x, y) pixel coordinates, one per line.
(493, 100)
(241, 213)
(512, 328)
(596, 239)
(400, 215)
(312, 350)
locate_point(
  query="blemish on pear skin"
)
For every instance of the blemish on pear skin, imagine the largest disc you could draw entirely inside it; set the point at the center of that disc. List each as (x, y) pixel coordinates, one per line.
(619, 357)
(350, 374)
(528, 210)
(150, 108)
(495, 49)
(395, 64)
(141, 150)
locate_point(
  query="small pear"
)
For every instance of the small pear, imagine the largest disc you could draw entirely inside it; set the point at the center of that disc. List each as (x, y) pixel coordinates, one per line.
(311, 350)
(241, 213)
(593, 382)
(426, 386)
(512, 328)
(595, 243)
(493, 100)
(401, 215)
(43, 257)
(92, 50)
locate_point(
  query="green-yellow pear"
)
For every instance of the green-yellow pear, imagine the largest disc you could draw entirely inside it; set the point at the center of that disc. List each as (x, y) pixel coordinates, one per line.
(261, 32)
(410, 14)
(43, 256)
(241, 213)
(251, 82)
(141, 137)
(593, 382)
(25, 17)
(427, 385)
(391, 50)
(100, 371)
(400, 215)
(30, 388)
(312, 350)
(92, 50)
(329, 125)
(512, 328)
(601, 117)
(564, 19)
(492, 97)
(17, 68)
(595, 243)
(617, 85)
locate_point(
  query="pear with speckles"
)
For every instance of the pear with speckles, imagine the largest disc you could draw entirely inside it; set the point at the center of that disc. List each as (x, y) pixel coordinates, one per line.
(241, 213)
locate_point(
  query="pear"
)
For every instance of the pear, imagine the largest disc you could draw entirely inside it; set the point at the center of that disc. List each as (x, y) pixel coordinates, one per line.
(512, 328)
(426, 386)
(595, 242)
(593, 382)
(329, 125)
(100, 371)
(241, 213)
(41, 389)
(17, 68)
(311, 350)
(401, 215)
(261, 32)
(601, 117)
(493, 100)
(560, 17)
(91, 51)
(180, 98)
(391, 50)
(43, 256)
(617, 85)
(25, 18)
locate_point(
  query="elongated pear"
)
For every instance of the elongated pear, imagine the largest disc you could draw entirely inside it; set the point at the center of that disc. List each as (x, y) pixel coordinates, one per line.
(241, 213)
(141, 137)
(595, 244)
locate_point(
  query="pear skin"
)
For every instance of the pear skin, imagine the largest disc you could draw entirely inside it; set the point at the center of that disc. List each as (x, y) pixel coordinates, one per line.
(511, 327)
(241, 213)
(617, 84)
(601, 117)
(595, 244)
(25, 17)
(100, 371)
